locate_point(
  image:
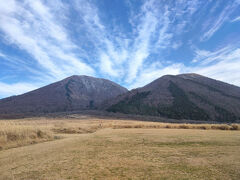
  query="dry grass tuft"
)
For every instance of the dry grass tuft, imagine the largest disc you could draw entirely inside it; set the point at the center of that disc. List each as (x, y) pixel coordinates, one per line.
(75, 130)
(179, 126)
(14, 135)
(235, 127)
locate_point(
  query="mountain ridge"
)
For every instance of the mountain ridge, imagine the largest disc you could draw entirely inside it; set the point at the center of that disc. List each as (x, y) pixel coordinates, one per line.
(185, 96)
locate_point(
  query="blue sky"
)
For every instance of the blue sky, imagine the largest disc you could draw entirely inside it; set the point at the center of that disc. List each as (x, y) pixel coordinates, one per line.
(130, 42)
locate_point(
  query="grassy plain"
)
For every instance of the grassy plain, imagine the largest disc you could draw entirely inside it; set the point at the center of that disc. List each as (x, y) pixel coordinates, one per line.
(91, 148)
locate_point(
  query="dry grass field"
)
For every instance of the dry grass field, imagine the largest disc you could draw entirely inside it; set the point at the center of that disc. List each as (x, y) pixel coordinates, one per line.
(91, 148)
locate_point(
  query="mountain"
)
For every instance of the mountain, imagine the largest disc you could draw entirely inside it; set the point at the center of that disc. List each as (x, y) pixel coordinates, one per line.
(72, 93)
(185, 96)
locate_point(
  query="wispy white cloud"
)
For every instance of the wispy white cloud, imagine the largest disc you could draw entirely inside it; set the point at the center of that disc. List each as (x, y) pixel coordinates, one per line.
(106, 66)
(40, 28)
(176, 45)
(2, 55)
(152, 30)
(145, 30)
(236, 19)
(154, 71)
(215, 23)
(224, 71)
(206, 57)
(222, 64)
(15, 89)
(33, 28)
(111, 51)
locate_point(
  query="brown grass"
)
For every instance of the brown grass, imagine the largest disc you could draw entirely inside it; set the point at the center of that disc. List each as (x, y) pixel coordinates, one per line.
(179, 126)
(14, 133)
(129, 153)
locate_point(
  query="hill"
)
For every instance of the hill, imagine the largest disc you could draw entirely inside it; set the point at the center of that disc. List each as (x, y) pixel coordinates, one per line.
(72, 93)
(185, 96)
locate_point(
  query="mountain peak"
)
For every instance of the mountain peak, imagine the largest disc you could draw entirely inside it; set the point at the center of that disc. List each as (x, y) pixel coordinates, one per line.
(171, 77)
(190, 75)
(73, 93)
(184, 96)
(73, 77)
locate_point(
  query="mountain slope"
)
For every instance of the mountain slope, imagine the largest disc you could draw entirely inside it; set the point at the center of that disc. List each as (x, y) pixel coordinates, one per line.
(186, 96)
(73, 93)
